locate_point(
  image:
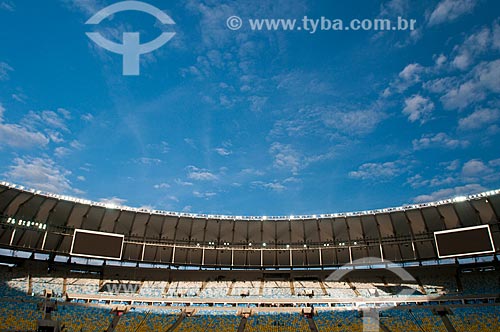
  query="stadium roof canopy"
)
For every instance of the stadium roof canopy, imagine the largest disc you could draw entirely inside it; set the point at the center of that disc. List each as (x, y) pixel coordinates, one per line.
(44, 222)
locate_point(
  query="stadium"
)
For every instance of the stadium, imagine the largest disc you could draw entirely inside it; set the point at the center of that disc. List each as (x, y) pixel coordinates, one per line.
(76, 265)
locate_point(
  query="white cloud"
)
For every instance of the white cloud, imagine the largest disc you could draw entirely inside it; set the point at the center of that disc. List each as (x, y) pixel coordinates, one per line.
(223, 151)
(18, 136)
(87, 7)
(61, 151)
(44, 119)
(274, 186)
(485, 79)
(285, 157)
(474, 45)
(476, 170)
(198, 174)
(87, 117)
(162, 185)
(4, 71)
(462, 96)
(449, 10)
(418, 181)
(81, 178)
(441, 60)
(183, 183)
(147, 161)
(40, 173)
(475, 167)
(19, 97)
(394, 7)
(418, 108)
(114, 201)
(439, 140)
(496, 35)
(488, 75)
(479, 119)
(205, 195)
(450, 193)
(257, 103)
(379, 171)
(252, 171)
(358, 122)
(411, 72)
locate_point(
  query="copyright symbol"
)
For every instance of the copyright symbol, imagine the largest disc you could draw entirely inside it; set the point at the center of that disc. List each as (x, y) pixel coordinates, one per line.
(234, 22)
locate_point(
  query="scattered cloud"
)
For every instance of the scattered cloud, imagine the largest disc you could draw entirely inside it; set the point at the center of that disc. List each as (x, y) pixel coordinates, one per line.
(358, 122)
(450, 193)
(86, 7)
(475, 44)
(183, 183)
(439, 140)
(40, 173)
(223, 151)
(19, 97)
(411, 72)
(147, 161)
(205, 195)
(478, 170)
(197, 174)
(274, 186)
(162, 185)
(418, 108)
(379, 171)
(480, 118)
(19, 136)
(286, 157)
(485, 80)
(450, 10)
(44, 119)
(113, 201)
(87, 117)
(4, 71)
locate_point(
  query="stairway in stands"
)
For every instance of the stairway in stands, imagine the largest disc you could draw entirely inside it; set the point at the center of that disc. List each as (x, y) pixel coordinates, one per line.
(243, 324)
(177, 322)
(312, 324)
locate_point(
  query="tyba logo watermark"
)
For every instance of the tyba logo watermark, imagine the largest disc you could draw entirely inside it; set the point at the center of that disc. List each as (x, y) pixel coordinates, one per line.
(131, 47)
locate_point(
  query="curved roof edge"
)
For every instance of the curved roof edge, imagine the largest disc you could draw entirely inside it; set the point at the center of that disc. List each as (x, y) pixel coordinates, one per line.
(240, 217)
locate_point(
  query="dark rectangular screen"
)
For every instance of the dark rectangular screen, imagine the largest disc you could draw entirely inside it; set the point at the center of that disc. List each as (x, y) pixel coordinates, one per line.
(464, 241)
(97, 244)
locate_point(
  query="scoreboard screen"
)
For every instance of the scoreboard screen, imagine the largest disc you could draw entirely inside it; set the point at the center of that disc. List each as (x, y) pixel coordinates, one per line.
(97, 244)
(464, 241)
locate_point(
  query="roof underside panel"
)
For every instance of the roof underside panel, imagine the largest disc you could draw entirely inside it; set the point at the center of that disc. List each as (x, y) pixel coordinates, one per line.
(394, 234)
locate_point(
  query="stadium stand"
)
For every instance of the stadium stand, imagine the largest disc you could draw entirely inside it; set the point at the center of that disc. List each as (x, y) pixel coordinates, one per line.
(157, 287)
(276, 322)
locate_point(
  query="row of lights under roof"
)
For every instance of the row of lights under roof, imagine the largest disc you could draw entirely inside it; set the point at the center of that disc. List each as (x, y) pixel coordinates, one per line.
(264, 244)
(226, 217)
(26, 223)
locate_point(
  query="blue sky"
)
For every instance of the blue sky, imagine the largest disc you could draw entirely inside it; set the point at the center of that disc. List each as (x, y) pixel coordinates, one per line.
(253, 122)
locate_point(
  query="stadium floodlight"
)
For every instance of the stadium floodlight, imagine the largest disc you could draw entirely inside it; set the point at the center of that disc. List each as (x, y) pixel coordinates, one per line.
(264, 244)
(287, 246)
(460, 199)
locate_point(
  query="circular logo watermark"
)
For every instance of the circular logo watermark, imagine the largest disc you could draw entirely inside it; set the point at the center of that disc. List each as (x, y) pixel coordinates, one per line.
(371, 313)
